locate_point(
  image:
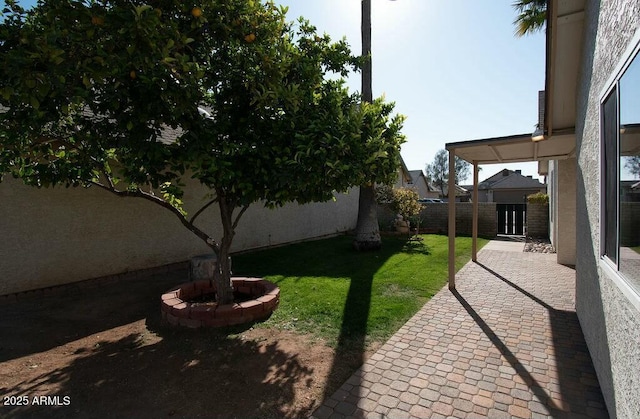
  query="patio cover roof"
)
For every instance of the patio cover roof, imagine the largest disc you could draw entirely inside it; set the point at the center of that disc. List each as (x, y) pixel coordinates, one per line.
(515, 148)
(565, 27)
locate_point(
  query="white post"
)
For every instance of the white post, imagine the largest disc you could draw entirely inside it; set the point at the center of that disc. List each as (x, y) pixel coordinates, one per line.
(474, 234)
(451, 195)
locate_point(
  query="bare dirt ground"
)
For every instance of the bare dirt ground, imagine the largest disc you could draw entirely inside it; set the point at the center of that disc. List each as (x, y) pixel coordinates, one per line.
(104, 353)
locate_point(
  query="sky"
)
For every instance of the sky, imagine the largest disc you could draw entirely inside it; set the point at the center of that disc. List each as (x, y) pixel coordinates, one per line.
(454, 68)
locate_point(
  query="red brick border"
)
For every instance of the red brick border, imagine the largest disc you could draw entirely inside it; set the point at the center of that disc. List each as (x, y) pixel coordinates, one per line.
(176, 310)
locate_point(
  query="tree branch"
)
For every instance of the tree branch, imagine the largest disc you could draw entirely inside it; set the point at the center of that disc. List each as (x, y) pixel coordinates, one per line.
(207, 205)
(237, 220)
(111, 186)
(159, 201)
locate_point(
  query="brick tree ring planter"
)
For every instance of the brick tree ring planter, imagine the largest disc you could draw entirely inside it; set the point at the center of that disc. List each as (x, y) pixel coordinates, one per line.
(180, 305)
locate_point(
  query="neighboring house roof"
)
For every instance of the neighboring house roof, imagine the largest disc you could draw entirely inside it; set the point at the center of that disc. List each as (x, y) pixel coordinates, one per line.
(510, 179)
(460, 191)
(417, 177)
(168, 135)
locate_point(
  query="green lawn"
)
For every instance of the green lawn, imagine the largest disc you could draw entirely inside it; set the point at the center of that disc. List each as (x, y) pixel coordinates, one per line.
(337, 294)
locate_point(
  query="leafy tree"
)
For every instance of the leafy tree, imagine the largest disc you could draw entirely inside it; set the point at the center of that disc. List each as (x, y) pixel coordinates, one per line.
(532, 16)
(384, 194)
(133, 97)
(438, 170)
(632, 163)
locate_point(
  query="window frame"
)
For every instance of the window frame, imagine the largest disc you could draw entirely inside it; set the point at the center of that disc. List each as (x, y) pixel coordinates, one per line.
(608, 266)
(612, 91)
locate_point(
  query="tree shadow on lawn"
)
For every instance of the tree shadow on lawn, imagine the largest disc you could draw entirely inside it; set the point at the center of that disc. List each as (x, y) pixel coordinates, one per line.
(160, 379)
(340, 261)
(189, 375)
(332, 257)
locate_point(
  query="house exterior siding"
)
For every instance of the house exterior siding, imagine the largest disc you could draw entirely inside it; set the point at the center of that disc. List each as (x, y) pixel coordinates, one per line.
(609, 314)
(56, 236)
(424, 192)
(552, 191)
(566, 219)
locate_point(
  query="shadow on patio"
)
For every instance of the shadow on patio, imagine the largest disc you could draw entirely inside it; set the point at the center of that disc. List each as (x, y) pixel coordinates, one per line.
(506, 343)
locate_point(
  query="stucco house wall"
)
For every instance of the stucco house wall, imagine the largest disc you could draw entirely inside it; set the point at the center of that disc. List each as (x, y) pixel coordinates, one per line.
(552, 189)
(403, 179)
(566, 219)
(55, 236)
(609, 313)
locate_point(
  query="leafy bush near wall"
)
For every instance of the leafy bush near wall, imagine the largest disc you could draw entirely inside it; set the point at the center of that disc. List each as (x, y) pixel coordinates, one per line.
(403, 201)
(538, 198)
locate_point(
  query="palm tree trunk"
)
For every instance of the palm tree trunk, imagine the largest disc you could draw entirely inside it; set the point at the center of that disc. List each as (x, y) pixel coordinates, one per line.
(367, 94)
(367, 230)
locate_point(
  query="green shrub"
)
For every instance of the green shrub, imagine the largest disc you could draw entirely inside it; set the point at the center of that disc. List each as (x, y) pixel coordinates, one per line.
(538, 198)
(405, 202)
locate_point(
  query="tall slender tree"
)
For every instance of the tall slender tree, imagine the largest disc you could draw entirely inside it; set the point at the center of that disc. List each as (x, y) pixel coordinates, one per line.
(438, 170)
(367, 229)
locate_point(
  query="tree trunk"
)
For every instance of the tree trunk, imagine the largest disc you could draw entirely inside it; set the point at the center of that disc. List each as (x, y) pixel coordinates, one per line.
(367, 229)
(367, 72)
(222, 273)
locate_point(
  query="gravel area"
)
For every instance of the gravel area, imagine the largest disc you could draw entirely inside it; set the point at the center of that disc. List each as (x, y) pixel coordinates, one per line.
(538, 246)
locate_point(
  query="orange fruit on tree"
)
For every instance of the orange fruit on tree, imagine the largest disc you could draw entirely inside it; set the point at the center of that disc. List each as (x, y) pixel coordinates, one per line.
(250, 38)
(196, 12)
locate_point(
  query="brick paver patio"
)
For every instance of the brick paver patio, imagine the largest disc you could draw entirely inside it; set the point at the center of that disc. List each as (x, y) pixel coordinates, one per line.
(505, 344)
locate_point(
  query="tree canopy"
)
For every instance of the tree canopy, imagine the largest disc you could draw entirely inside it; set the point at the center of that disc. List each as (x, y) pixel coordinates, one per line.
(438, 170)
(133, 97)
(632, 164)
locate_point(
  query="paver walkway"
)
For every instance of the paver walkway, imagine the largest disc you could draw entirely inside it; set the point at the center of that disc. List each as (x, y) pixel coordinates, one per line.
(506, 343)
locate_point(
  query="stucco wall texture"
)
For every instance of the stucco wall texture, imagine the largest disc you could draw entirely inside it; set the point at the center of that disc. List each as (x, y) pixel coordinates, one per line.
(566, 217)
(609, 319)
(54, 236)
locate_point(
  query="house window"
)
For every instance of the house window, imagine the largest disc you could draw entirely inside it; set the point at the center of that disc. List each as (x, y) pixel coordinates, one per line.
(621, 174)
(610, 168)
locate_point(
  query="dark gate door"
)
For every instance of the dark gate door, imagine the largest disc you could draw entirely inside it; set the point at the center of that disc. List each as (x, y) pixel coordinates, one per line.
(511, 218)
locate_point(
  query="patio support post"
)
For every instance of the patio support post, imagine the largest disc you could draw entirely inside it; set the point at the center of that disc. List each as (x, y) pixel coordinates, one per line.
(474, 232)
(451, 198)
